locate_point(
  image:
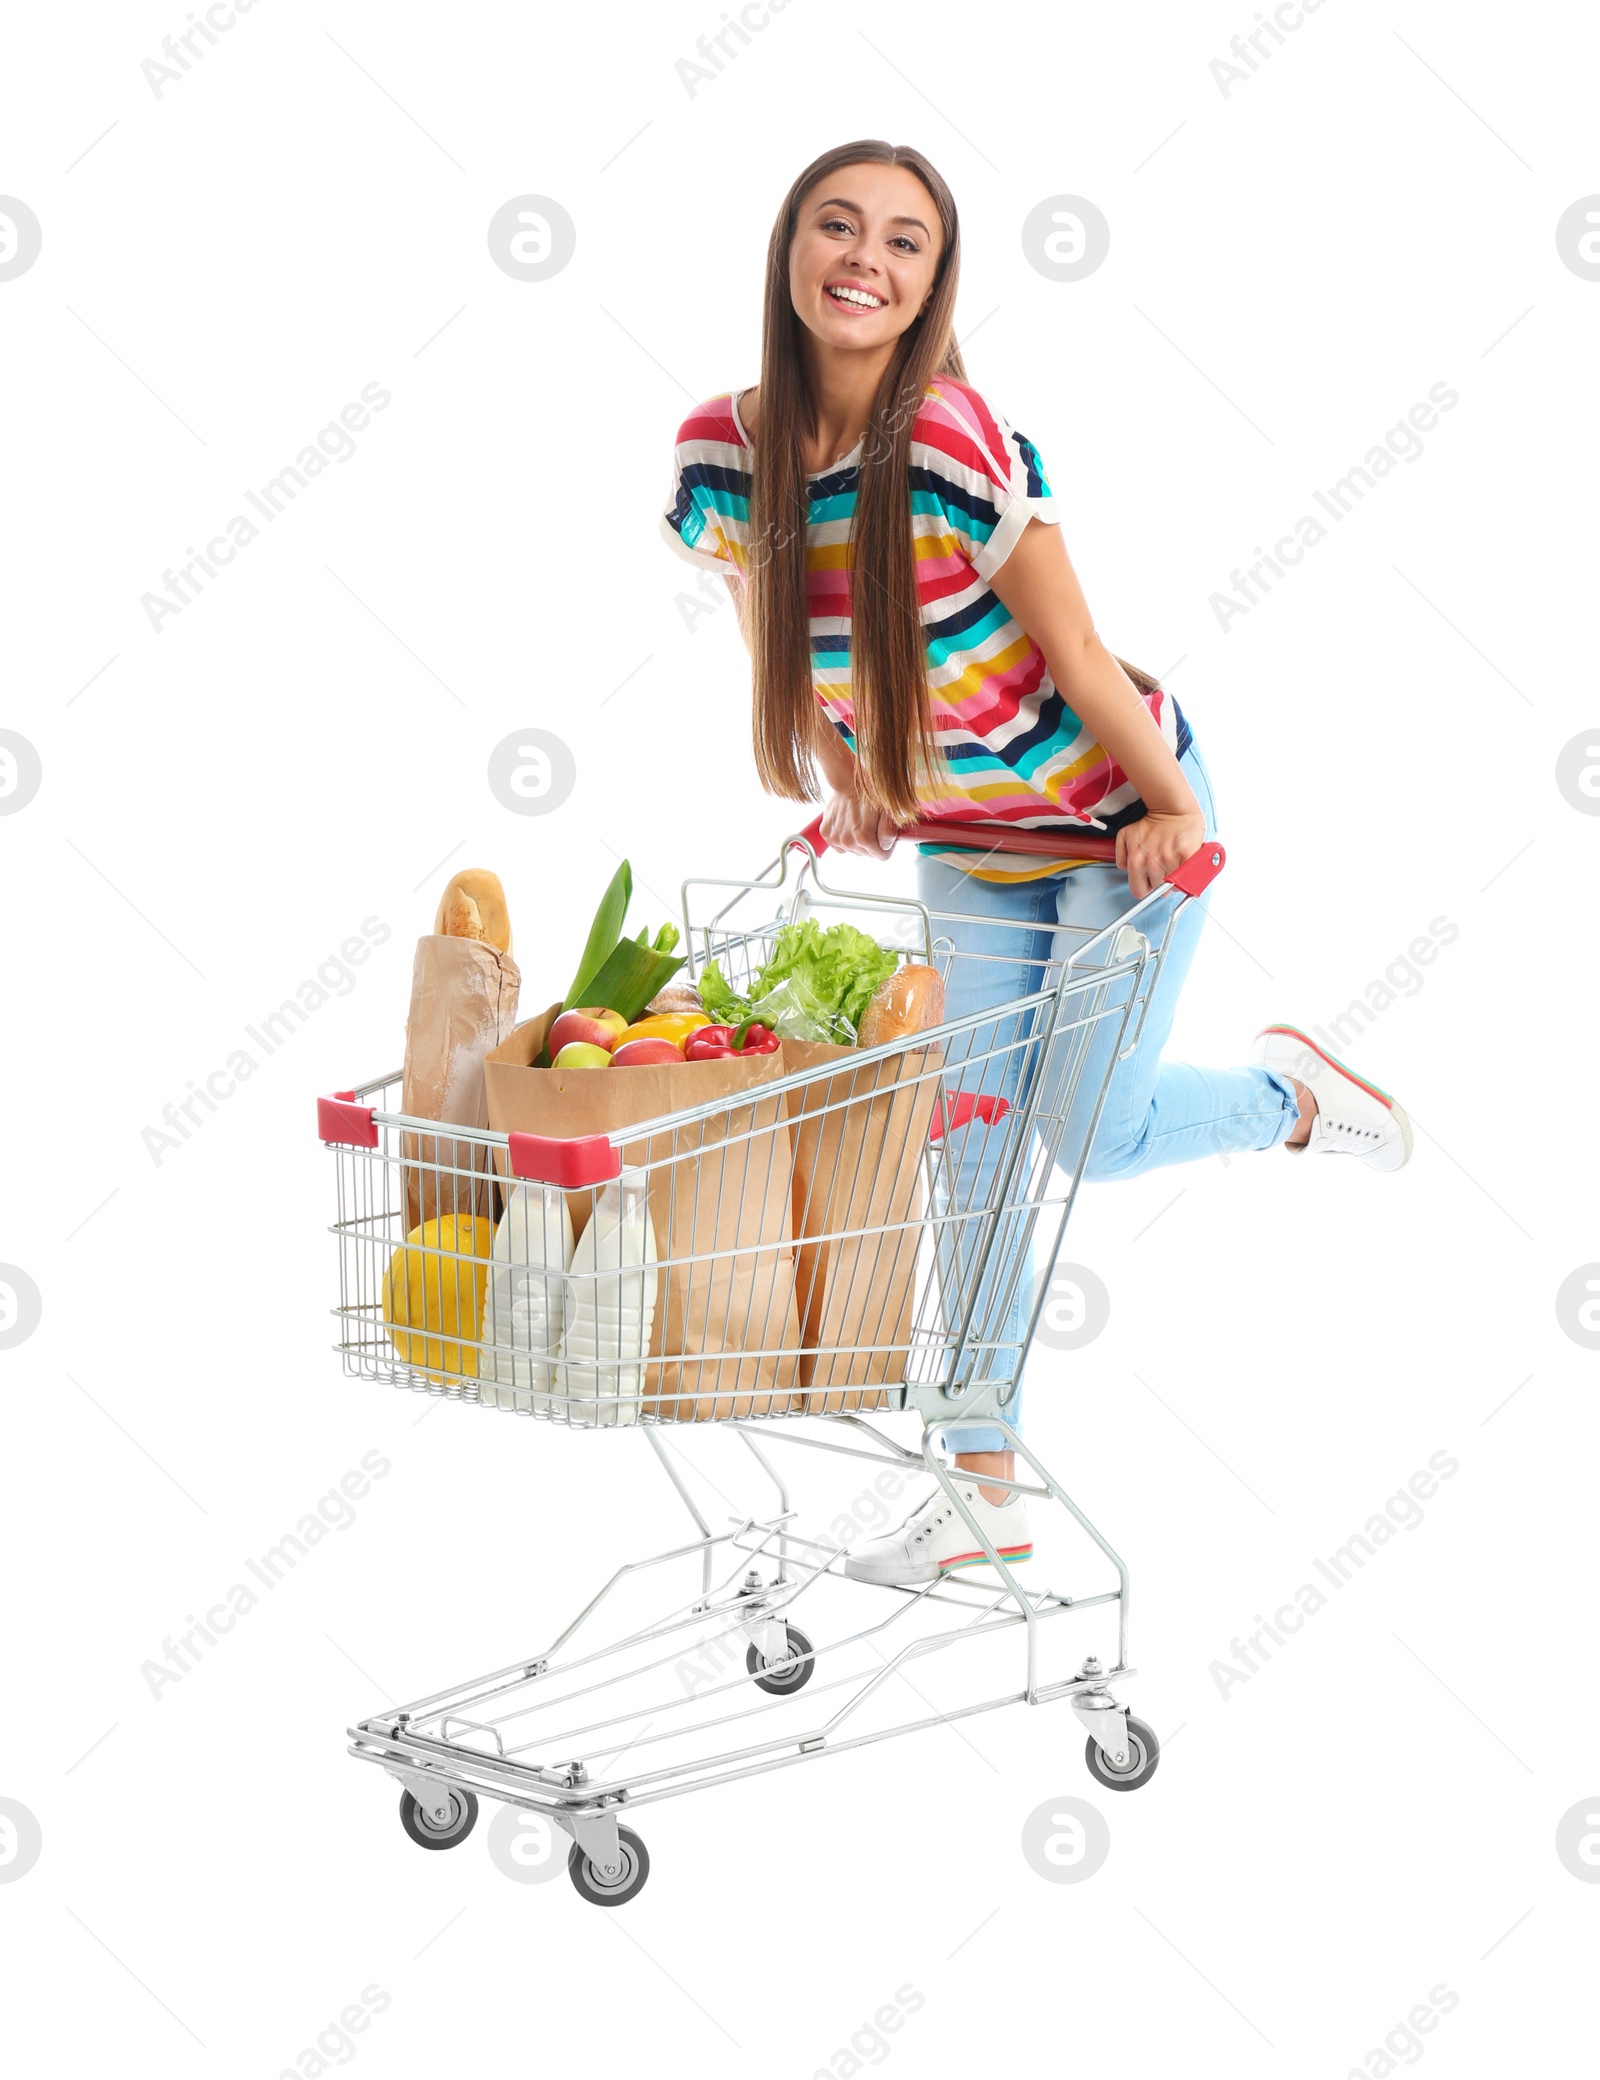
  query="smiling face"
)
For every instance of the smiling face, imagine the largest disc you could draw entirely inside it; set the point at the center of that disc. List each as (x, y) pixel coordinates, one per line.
(865, 252)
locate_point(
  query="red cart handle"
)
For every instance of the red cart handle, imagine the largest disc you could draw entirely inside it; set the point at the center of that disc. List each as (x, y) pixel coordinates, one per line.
(1194, 876)
(952, 1112)
(812, 836)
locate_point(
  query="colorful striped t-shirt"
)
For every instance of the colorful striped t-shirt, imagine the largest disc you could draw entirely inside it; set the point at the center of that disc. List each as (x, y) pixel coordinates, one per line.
(1013, 749)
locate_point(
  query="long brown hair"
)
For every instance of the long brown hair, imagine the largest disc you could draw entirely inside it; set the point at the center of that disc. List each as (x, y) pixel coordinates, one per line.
(888, 656)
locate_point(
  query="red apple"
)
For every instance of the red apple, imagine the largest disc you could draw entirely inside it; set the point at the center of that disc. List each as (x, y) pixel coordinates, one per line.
(578, 1054)
(645, 1054)
(594, 1026)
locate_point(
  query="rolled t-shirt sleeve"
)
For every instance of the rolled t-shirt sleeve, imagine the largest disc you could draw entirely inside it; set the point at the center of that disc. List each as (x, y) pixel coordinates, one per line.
(704, 494)
(686, 528)
(993, 482)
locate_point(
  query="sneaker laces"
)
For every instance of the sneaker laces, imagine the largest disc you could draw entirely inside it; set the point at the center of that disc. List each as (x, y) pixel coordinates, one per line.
(938, 1501)
(1348, 1128)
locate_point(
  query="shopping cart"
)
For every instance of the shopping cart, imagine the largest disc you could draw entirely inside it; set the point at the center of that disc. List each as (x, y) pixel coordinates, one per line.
(918, 1181)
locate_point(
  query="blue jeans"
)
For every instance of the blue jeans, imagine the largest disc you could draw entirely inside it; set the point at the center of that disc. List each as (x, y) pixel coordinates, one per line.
(1156, 1112)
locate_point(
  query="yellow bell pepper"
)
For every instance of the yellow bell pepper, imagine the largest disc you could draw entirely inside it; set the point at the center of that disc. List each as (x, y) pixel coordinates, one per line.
(675, 1026)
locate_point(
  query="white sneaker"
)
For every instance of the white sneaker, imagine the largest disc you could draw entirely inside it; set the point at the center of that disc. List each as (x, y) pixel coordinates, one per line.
(1353, 1117)
(934, 1539)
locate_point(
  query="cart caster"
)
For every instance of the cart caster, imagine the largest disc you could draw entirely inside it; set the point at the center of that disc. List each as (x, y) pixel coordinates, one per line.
(1144, 1752)
(428, 1833)
(783, 1678)
(601, 1891)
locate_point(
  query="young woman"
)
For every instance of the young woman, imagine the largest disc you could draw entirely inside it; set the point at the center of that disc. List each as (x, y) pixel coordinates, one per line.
(917, 633)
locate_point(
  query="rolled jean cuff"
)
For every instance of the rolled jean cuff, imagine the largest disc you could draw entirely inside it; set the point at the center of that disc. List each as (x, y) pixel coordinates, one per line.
(1258, 1125)
(1291, 1104)
(978, 1437)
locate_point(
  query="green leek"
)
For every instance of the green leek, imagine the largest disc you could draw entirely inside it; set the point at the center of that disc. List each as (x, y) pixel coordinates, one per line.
(604, 935)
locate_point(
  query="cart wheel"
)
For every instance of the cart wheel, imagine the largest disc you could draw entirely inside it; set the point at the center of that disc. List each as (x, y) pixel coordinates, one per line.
(1144, 1752)
(427, 1833)
(596, 1887)
(783, 1677)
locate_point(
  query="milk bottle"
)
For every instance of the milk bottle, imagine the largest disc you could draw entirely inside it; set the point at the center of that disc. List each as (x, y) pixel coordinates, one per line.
(523, 1311)
(610, 1306)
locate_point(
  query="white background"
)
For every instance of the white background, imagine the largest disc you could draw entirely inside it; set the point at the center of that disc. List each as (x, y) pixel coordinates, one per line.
(1292, 266)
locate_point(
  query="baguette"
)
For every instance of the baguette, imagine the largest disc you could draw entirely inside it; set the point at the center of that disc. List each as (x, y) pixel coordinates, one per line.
(909, 1001)
(459, 919)
(474, 896)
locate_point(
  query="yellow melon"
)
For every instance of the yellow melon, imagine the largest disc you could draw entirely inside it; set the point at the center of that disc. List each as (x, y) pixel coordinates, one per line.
(433, 1295)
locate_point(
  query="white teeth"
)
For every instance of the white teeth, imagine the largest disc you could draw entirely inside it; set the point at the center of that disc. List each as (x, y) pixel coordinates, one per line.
(859, 297)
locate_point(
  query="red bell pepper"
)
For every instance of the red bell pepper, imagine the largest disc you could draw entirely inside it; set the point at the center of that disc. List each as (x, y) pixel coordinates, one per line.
(755, 1038)
(709, 1044)
(723, 1043)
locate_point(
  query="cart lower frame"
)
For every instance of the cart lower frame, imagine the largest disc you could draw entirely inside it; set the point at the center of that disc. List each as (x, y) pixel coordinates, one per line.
(435, 1746)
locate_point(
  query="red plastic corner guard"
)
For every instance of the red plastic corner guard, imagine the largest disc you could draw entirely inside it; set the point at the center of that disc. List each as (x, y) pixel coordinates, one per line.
(1198, 872)
(340, 1118)
(951, 1112)
(545, 1159)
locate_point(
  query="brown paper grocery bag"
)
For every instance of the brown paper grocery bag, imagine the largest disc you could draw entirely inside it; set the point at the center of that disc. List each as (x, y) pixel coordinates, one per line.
(721, 1197)
(463, 1002)
(859, 1142)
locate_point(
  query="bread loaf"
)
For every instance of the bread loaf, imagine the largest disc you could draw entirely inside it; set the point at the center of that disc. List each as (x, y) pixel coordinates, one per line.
(677, 996)
(478, 888)
(911, 1000)
(459, 919)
